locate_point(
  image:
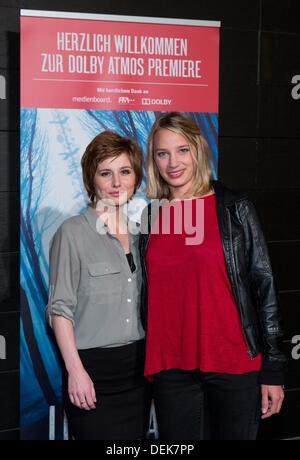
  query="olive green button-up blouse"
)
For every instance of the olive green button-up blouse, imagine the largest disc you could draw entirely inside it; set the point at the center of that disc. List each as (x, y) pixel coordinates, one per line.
(91, 284)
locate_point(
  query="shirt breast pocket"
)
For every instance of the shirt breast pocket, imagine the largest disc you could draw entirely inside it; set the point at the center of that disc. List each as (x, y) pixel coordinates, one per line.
(104, 278)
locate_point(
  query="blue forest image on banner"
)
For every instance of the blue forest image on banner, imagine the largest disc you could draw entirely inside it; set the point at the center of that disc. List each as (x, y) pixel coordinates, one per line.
(52, 144)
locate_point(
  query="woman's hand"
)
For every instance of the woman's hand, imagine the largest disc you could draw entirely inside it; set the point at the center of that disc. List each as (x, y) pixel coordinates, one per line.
(81, 389)
(271, 399)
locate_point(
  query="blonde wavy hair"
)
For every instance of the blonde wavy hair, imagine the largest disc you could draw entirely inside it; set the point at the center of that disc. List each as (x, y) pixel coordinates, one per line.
(185, 125)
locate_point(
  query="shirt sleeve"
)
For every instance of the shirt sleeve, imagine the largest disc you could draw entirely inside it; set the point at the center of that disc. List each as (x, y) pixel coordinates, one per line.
(64, 275)
(268, 308)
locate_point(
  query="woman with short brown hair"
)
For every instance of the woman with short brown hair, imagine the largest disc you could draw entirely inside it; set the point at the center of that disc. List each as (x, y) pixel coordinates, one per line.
(94, 299)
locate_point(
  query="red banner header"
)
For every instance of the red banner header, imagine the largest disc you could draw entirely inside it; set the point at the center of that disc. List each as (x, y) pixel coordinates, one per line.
(107, 65)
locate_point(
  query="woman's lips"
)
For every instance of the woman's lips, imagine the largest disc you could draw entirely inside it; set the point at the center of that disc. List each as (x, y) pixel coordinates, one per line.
(115, 194)
(175, 174)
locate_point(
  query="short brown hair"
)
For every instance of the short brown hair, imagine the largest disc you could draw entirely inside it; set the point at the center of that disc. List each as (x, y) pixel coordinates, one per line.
(109, 144)
(186, 126)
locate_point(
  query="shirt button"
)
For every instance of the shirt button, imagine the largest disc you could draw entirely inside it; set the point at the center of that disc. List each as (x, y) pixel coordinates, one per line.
(127, 320)
(129, 280)
(128, 300)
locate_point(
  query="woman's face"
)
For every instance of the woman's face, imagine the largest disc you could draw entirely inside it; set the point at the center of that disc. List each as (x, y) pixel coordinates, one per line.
(174, 158)
(115, 180)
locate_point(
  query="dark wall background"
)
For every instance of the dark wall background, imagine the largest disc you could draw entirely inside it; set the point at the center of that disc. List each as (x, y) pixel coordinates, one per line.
(259, 145)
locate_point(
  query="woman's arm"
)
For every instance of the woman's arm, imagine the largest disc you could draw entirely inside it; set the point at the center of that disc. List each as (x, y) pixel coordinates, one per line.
(262, 279)
(271, 375)
(80, 386)
(64, 279)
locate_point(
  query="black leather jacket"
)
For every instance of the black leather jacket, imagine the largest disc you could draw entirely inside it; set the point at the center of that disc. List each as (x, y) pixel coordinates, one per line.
(249, 270)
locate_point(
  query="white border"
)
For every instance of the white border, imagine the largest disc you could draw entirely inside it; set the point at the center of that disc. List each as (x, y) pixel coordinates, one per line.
(117, 18)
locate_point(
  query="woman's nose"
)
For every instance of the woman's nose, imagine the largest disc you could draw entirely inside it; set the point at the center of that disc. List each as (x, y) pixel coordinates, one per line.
(116, 180)
(172, 161)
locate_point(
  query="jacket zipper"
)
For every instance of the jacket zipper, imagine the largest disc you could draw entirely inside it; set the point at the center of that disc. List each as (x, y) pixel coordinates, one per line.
(236, 284)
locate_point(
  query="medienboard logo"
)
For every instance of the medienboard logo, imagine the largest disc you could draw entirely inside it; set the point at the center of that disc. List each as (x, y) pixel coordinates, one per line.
(2, 87)
(2, 347)
(296, 88)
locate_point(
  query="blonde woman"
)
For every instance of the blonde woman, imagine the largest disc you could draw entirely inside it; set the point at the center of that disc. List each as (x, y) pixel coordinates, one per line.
(210, 307)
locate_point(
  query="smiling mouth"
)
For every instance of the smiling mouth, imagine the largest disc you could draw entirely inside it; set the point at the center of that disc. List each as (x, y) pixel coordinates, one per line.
(174, 174)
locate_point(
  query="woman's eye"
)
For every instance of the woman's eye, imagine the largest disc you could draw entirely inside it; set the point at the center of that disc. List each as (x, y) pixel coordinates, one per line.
(161, 154)
(125, 172)
(184, 150)
(104, 174)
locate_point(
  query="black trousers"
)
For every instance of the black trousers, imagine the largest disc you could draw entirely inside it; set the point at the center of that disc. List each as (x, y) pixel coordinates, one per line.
(191, 405)
(123, 395)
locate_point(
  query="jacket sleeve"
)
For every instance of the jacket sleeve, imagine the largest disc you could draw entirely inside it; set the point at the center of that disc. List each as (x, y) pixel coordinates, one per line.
(64, 272)
(262, 280)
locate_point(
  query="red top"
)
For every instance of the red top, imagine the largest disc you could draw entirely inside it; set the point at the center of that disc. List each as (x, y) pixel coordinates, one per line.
(193, 320)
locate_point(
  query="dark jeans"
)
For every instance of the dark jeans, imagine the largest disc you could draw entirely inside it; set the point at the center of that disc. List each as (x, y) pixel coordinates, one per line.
(192, 405)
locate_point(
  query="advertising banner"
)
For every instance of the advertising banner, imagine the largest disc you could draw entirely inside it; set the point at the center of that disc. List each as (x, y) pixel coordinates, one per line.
(82, 74)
